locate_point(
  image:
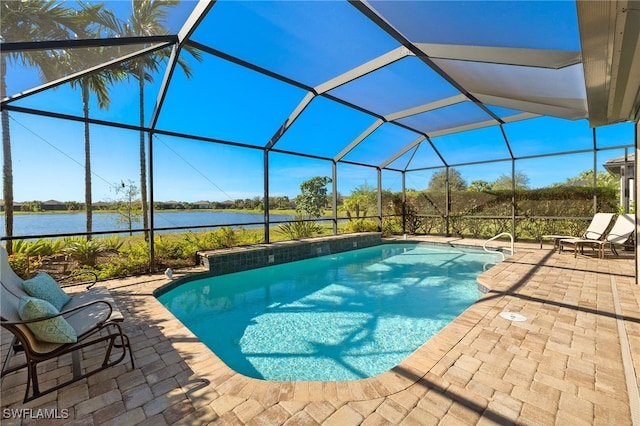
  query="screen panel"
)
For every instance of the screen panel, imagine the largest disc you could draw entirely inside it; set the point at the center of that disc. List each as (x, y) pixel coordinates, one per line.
(310, 42)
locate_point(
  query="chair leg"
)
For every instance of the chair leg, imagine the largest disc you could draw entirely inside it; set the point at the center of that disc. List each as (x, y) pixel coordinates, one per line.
(32, 379)
(10, 353)
(127, 342)
(108, 353)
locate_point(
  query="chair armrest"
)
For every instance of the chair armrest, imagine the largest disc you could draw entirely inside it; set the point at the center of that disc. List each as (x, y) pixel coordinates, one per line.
(77, 308)
(91, 282)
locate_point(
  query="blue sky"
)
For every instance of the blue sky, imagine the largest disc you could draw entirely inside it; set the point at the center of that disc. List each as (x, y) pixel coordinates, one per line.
(229, 102)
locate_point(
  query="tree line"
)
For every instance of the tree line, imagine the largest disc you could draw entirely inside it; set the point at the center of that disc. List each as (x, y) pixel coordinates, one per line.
(255, 203)
(520, 181)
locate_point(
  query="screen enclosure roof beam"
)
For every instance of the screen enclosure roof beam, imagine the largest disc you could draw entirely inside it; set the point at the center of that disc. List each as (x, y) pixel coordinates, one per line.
(537, 58)
(89, 70)
(357, 72)
(196, 16)
(373, 15)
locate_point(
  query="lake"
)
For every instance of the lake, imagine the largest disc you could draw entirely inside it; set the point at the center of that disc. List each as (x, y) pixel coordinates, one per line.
(63, 223)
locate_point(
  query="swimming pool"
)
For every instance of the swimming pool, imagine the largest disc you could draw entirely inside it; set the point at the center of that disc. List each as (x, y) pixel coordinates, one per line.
(339, 317)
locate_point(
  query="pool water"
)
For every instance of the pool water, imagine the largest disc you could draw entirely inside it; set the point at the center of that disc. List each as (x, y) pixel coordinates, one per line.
(338, 317)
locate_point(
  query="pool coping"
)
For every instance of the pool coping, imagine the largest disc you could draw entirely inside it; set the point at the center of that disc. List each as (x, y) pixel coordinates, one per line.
(411, 370)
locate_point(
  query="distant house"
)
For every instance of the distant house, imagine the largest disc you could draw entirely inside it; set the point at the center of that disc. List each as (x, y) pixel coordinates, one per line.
(101, 205)
(16, 206)
(624, 167)
(51, 205)
(172, 205)
(202, 205)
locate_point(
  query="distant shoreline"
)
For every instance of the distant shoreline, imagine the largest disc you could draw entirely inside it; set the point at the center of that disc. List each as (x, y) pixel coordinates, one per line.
(109, 211)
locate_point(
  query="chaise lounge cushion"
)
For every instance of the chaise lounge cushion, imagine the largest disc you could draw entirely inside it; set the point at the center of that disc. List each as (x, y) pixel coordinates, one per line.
(44, 287)
(53, 330)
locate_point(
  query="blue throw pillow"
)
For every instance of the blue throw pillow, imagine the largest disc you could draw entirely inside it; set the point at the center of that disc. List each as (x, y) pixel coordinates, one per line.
(53, 330)
(44, 287)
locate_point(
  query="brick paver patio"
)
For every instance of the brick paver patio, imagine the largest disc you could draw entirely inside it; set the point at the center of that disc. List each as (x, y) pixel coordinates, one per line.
(567, 363)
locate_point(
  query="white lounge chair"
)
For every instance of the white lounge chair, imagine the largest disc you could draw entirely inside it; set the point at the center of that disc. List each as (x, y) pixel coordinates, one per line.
(620, 234)
(596, 230)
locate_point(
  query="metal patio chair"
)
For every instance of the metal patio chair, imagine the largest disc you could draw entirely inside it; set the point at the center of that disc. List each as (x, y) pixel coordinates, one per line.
(92, 314)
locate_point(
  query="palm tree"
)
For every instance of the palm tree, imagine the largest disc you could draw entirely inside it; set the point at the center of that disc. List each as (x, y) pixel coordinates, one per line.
(147, 17)
(34, 20)
(361, 200)
(98, 21)
(97, 84)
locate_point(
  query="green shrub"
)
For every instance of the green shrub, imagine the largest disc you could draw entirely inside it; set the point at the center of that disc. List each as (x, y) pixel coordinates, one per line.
(226, 237)
(299, 228)
(169, 248)
(24, 265)
(138, 252)
(113, 243)
(40, 247)
(391, 225)
(83, 251)
(222, 238)
(132, 259)
(361, 225)
(111, 269)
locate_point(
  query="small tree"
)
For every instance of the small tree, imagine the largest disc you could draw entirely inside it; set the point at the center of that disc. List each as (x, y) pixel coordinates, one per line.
(480, 186)
(73, 205)
(313, 196)
(585, 178)
(456, 181)
(311, 202)
(127, 204)
(32, 206)
(361, 200)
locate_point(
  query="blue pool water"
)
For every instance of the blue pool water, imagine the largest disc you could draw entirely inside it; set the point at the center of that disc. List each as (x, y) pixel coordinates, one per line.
(339, 317)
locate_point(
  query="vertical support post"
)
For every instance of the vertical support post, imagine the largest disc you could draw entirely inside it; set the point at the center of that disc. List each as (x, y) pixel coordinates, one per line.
(595, 172)
(404, 202)
(635, 180)
(513, 181)
(513, 197)
(379, 170)
(266, 195)
(334, 197)
(152, 253)
(624, 182)
(447, 202)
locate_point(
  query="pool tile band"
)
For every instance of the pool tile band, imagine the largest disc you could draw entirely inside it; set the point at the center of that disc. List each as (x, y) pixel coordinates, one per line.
(238, 259)
(243, 259)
